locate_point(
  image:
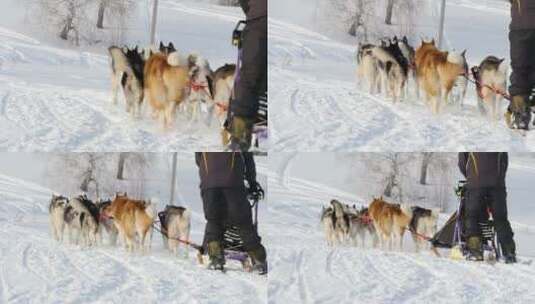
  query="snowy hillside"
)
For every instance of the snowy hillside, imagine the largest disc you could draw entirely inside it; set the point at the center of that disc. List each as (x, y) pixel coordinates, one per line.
(316, 105)
(57, 97)
(35, 269)
(305, 270)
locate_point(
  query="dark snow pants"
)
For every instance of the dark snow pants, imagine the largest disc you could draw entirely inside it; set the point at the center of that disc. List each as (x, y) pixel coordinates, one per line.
(229, 206)
(476, 202)
(522, 62)
(253, 72)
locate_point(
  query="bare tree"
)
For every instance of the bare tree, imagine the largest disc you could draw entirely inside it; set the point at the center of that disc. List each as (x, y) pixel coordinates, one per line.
(426, 159)
(100, 16)
(389, 9)
(120, 166)
(69, 19)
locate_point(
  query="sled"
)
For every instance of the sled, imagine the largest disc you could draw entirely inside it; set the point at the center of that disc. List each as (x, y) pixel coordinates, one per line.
(451, 235)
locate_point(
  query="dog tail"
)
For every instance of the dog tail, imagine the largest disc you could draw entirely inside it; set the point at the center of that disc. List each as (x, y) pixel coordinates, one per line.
(174, 59)
(456, 58)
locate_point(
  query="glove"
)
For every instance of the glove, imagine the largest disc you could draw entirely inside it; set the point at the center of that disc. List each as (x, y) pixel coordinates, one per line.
(255, 191)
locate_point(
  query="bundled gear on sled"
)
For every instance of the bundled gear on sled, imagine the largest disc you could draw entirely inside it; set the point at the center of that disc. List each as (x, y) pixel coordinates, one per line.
(228, 186)
(246, 122)
(453, 234)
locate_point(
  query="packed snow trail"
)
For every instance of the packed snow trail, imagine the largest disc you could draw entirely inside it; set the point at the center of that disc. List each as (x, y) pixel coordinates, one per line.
(317, 106)
(35, 269)
(305, 270)
(55, 97)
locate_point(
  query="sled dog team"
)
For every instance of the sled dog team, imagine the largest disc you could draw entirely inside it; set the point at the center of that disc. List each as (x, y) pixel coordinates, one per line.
(84, 222)
(389, 67)
(383, 222)
(167, 80)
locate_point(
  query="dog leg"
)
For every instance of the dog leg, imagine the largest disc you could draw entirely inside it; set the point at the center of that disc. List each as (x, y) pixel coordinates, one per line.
(114, 87)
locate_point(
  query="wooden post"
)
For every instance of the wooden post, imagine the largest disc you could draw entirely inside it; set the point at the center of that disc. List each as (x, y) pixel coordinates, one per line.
(441, 25)
(153, 22)
(173, 180)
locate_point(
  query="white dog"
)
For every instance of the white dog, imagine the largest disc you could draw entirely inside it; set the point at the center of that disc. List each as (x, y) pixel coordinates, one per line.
(176, 223)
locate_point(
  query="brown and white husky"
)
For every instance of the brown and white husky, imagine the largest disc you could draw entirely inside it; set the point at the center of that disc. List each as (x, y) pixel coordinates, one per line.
(437, 72)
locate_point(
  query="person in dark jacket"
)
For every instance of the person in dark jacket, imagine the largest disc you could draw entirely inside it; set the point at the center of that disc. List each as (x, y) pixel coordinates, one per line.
(522, 41)
(252, 81)
(224, 197)
(485, 174)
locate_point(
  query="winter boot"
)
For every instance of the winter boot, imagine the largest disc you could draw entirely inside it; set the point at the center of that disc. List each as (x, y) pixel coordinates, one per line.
(509, 254)
(216, 255)
(475, 252)
(258, 258)
(241, 132)
(518, 114)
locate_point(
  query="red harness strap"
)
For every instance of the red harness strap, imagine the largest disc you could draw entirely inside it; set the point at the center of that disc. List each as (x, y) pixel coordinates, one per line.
(195, 87)
(366, 219)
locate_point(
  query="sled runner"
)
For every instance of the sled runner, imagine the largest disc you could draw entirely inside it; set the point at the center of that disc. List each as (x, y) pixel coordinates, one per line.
(451, 236)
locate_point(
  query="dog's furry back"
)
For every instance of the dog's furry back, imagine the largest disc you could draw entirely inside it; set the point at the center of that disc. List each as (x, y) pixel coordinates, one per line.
(164, 83)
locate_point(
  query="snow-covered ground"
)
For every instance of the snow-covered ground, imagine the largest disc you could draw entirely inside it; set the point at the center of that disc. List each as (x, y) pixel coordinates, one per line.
(55, 97)
(316, 105)
(35, 269)
(305, 270)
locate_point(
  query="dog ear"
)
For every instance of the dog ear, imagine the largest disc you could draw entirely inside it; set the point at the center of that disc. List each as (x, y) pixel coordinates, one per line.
(404, 39)
(501, 60)
(171, 47)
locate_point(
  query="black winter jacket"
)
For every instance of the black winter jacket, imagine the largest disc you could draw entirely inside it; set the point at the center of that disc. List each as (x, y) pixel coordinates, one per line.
(254, 9)
(484, 169)
(522, 15)
(225, 169)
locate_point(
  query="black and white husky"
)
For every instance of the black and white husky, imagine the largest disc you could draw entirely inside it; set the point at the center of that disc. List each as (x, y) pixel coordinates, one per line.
(56, 211)
(393, 69)
(127, 72)
(424, 223)
(335, 223)
(200, 87)
(176, 223)
(81, 221)
(368, 69)
(408, 52)
(491, 72)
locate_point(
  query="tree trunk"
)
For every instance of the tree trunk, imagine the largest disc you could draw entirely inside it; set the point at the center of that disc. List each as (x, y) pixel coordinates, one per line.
(426, 159)
(64, 34)
(389, 186)
(100, 18)
(389, 8)
(120, 168)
